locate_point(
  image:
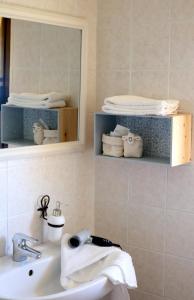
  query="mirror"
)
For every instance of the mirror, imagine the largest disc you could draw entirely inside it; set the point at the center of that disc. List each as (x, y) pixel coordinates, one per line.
(41, 83)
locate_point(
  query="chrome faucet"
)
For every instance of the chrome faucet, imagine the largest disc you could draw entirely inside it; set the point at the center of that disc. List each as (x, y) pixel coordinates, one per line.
(21, 250)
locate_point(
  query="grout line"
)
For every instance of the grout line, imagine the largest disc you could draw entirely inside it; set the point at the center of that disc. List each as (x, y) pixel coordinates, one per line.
(152, 294)
(165, 254)
(164, 231)
(131, 46)
(169, 51)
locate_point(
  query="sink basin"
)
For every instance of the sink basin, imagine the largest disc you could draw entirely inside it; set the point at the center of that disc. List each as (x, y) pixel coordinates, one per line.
(40, 280)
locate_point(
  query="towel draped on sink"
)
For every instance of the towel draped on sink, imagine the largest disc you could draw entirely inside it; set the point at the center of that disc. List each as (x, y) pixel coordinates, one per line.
(88, 262)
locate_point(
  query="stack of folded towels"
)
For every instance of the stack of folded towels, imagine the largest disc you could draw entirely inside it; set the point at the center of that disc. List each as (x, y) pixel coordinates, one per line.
(50, 100)
(135, 105)
(88, 262)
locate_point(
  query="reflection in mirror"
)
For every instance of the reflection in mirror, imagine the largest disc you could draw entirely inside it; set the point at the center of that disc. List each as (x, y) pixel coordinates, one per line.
(40, 69)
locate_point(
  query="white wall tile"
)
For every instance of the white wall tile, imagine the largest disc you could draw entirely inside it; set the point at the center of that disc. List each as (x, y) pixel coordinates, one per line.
(150, 45)
(136, 295)
(179, 278)
(153, 84)
(180, 188)
(145, 227)
(182, 10)
(179, 233)
(111, 196)
(148, 185)
(111, 83)
(110, 53)
(182, 45)
(149, 268)
(154, 11)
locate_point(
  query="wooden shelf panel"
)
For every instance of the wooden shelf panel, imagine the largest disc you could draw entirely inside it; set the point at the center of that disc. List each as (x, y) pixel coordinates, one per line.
(166, 139)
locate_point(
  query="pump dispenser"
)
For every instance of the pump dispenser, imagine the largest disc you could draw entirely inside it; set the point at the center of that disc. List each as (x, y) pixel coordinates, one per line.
(56, 223)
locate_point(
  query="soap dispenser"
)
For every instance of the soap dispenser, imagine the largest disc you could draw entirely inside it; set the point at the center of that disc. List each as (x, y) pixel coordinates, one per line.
(56, 223)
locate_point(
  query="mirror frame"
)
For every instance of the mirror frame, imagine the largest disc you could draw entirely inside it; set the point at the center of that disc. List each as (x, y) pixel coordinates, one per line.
(41, 16)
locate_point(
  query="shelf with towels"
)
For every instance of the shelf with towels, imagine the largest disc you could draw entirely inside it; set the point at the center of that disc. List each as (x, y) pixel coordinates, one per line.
(166, 139)
(17, 122)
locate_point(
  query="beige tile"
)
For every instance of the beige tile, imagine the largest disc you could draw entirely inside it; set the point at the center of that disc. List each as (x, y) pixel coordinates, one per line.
(181, 87)
(68, 7)
(182, 45)
(38, 177)
(25, 44)
(179, 232)
(154, 11)
(149, 185)
(136, 295)
(110, 84)
(51, 5)
(74, 87)
(113, 43)
(113, 8)
(74, 41)
(87, 8)
(111, 194)
(149, 267)
(50, 81)
(182, 10)
(180, 188)
(55, 48)
(85, 189)
(24, 80)
(24, 186)
(145, 227)
(152, 84)
(179, 278)
(150, 48)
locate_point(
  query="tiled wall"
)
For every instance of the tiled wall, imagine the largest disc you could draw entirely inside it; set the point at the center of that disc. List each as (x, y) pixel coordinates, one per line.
(146, 47)
(68, 178)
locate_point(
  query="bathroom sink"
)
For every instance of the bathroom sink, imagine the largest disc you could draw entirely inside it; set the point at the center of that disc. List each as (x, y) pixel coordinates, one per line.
(40, 280)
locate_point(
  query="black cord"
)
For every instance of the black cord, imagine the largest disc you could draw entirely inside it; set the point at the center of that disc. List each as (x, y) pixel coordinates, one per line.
(44, 202)
(102, 242)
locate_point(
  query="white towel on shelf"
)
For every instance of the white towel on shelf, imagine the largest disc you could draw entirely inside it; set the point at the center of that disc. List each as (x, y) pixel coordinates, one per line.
(132, 100)
(135, 105)
(31, 104)
(51, 100)
(138, 112)
(87, 262)
(50, 97)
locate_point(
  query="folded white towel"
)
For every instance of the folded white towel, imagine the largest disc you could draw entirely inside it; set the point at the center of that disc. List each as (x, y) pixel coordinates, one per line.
(135, 105)
(88, 262)
(37, 103)
(137, 112)
(132, 100)
(49, 97)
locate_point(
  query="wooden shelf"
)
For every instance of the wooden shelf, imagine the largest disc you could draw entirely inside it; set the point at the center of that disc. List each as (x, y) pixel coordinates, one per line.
(167, 139)
(17, 122)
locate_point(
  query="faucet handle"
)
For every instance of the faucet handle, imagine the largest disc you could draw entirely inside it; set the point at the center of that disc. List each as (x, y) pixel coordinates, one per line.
(23, 237)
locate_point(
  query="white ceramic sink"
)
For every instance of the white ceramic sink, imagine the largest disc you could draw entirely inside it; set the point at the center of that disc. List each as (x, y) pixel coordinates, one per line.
(40, 280)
